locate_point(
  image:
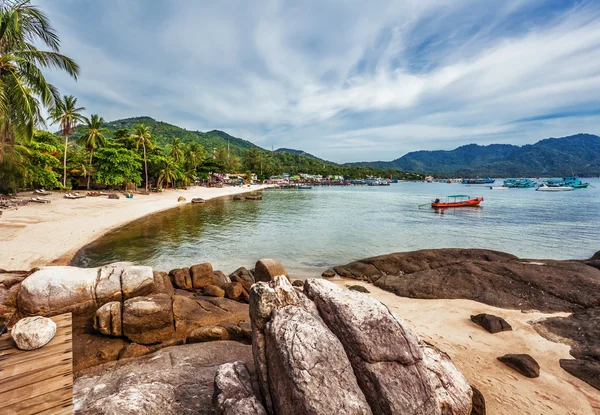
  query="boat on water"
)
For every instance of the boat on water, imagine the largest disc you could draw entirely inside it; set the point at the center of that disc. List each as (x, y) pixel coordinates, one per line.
(574, 182)
(498, 187)
(545, 188)
(486, 180)
(519, 183)
(304, 187)
(454, 201)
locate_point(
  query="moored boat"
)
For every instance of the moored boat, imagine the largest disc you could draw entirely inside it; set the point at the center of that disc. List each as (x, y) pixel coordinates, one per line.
(457, 201)
(304, 187)
(487, 180)
(498, 187)
(546, 188)
(519, 183)
(574, 182)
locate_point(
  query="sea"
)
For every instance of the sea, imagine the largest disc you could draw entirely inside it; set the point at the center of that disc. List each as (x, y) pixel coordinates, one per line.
(311, 230)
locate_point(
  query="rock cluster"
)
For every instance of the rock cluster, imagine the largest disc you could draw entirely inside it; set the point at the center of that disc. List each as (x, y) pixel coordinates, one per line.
(330, 350)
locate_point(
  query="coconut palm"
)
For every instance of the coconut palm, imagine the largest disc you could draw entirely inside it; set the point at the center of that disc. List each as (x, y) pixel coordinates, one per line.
(176, 150)
(141, 134)
(195, 155)
(93, 137)
(168, 173)
(23, 87)
(67, 115)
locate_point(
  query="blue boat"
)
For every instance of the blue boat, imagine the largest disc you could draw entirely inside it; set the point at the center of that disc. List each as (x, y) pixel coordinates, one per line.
(570, 181)
(487, 180)
(519, 183)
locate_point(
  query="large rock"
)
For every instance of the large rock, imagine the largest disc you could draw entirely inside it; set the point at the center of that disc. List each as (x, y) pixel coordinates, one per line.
(174, 380)
(202, 275)
(243, 274)
(586, 370)
(491, 323)
(541, 285)
(522, 363)
(213, 291)
(266, 269)
(235, 392)
(137, 281)
(396, 373)
(108, 319)
(207, 334)
(56, 290)
(182, 278)
(33, 332)
(220, 278)
(148, 320)
(108, 284)
(10, 284)
(235, 291)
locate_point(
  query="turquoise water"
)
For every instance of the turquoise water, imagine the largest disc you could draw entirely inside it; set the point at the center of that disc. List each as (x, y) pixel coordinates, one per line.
(310, 230)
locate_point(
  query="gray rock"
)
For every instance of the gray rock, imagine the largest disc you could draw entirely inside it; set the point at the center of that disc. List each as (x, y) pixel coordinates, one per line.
(244, 274)
(220, 278)
(108, 286)
(235, 392)
(148, 320)
(174, 380)
(32, 333)
(108, 319)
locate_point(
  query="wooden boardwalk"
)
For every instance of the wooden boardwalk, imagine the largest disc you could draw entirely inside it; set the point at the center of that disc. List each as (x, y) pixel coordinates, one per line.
(38, 381)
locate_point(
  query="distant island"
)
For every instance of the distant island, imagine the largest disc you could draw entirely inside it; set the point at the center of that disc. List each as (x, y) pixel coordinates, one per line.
(578, 154)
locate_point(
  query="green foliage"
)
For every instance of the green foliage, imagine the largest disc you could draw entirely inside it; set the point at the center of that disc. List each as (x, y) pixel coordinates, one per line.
(118, 166)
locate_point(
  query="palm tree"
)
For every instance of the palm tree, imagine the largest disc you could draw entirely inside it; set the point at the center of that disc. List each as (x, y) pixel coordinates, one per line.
(23, 87)
(93, 137)
(168, 172)
(176, 150)
(141, 134)
(195, 155)
(66, 114)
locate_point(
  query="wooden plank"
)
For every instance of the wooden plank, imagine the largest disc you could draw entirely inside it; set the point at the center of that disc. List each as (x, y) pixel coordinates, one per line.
(38, 381)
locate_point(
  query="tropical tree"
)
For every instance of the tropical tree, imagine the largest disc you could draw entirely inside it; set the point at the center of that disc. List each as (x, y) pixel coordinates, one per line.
(23, 87)
(66, 114)
(94, 136)
(141, 134)
(168, 173)
(177, 150)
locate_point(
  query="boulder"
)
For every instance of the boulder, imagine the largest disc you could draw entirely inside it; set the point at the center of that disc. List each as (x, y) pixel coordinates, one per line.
(108, 285)
(10, 284)
(478, 402)
(254, 197)
(181, 199)
(586, 370)
(55, 290)
(220, 278)
(191, 313)
(182, 278)
(202, 275)
(594, 263)
(235, 291)
(358, 288)
(108, 319)
(213, 291)
(328, 273)
(596, 256)
(396, 373)
(162, 284)
(244, 274)
(31, 333)
(491, 323)
(207, 334)
(298, 283)
(198, 200)
(235, 391)
(522, 363)
(148, 320)
(173, 380)
(137, 281)
(238, 197)
(266, 269)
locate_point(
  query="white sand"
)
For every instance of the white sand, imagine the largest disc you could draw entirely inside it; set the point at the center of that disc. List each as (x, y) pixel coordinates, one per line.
(44, 234)
(447, 324)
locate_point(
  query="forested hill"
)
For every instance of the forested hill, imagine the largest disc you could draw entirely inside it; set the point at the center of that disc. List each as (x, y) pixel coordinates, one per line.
(301, 153)
(579, 154)
(163, 133)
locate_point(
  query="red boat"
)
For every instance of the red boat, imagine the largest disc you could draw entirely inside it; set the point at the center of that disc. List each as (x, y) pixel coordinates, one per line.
(457, 201)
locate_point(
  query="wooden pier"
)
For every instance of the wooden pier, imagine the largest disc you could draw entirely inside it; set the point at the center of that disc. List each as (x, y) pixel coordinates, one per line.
(38, 381)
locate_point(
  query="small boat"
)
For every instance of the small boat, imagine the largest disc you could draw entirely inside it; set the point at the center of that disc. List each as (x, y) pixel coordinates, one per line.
(457, 201)
(498, 187)
(575, 182)
(546, 188)
(487, 180)
(519, 183)
(302, 187)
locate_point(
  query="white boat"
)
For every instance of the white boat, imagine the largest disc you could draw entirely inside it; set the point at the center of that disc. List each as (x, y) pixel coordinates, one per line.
(498, 187)
(544, 188)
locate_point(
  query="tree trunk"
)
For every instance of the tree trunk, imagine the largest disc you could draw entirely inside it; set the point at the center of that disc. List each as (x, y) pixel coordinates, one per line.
(89, 170)
(145, 165)
(65, 161)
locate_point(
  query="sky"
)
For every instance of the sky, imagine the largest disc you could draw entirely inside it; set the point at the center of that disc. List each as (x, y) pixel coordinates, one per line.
(346, 80)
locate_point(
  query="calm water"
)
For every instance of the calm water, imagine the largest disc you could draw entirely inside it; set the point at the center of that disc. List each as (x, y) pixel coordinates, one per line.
(309, 230)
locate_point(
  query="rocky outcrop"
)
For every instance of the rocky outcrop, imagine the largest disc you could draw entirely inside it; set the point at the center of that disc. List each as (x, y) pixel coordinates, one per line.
(174, 380)
(587, 370)
(541, 285)
(491, 323)
(108, 319)
(522, 363)
(31, 333)
(236, 392)
(266, 269)
(350, 351)
(148, 320)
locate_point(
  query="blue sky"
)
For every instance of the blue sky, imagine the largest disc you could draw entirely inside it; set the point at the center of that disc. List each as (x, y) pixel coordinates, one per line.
(346, 80)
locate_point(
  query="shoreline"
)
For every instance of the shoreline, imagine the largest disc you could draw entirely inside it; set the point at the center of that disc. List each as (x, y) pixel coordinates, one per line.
(51, 234)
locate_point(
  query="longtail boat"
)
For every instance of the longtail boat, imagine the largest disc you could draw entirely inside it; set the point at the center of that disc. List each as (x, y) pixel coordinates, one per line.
(457, 201)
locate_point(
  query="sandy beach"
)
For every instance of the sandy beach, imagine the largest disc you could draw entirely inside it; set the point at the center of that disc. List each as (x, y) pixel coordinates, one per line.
(44, 234)
(447, 325)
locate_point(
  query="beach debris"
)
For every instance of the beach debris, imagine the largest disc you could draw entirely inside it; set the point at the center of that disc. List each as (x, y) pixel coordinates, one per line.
(108, 319)
(358, 288)
(268, 268)
(491, 323)
(329, 273)
(234, 391)
(522, 363)
(31, 333)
